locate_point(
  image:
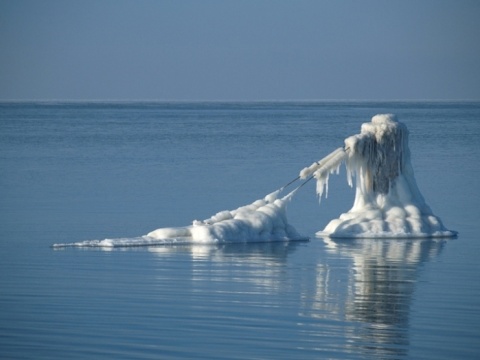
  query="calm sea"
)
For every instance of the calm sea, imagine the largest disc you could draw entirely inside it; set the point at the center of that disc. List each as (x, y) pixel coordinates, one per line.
(81, 171)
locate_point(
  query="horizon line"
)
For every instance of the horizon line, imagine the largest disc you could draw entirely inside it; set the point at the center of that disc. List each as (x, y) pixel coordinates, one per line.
(226, 100)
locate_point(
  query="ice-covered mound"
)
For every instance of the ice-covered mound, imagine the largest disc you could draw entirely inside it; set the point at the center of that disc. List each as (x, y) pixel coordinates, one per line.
(387, 202)
(262, 221)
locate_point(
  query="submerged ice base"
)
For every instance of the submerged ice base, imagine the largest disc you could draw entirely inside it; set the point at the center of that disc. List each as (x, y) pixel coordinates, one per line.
(388, 203)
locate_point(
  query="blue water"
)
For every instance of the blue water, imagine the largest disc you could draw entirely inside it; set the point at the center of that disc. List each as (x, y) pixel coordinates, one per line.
(83, 171)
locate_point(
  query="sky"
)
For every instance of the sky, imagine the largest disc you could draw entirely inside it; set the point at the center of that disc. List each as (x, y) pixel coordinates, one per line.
(246, 50)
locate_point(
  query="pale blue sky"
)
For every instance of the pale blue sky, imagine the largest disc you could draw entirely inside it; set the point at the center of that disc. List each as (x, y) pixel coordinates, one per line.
(239, 50)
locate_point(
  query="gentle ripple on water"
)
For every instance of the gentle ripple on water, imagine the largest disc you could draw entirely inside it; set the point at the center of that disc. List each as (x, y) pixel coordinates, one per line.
(323, 298)
(91, 171)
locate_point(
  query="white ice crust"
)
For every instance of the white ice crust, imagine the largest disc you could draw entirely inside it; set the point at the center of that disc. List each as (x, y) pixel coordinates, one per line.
(388, 203)
(262, 220)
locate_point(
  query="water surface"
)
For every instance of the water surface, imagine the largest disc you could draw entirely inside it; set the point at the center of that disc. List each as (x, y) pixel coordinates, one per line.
(82, 171)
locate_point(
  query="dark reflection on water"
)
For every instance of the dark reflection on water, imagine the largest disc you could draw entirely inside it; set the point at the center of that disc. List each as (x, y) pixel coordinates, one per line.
(380, 290)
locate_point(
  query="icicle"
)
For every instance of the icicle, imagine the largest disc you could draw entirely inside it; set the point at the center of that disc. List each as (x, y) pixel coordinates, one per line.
(323, 168)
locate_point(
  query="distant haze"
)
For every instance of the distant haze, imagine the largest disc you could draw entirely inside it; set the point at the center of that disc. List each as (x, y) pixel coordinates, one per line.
(239, 50)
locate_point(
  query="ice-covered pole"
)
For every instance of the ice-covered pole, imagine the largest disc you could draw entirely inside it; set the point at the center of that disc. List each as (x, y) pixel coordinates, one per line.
(388, 202)
(323, 163)
(322, 169)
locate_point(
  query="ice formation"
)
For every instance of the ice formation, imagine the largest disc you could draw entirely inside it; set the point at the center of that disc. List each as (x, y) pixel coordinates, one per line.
(261, 221)
(388, 203)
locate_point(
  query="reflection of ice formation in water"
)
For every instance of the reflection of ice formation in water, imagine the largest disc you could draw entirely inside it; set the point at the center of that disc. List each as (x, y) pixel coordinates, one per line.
(260, 264)
(388, 203)
(354, 296)
(380, 289)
